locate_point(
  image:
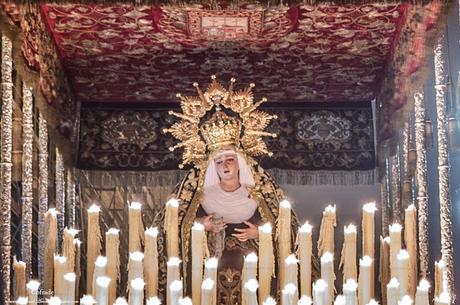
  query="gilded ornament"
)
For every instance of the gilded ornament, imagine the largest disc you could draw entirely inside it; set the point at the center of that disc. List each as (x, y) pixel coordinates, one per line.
(236, 121)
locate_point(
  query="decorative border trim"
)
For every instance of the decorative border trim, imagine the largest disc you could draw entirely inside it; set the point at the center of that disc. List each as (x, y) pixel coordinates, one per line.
(111, 179)
(195, 22)
(27, 176)
(6, 162)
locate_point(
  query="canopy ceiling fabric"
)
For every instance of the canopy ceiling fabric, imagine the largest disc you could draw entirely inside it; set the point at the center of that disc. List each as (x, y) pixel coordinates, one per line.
(324, 53)
(340, 51)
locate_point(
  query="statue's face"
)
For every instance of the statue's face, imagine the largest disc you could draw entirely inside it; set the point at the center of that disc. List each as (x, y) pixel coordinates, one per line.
(227, 166)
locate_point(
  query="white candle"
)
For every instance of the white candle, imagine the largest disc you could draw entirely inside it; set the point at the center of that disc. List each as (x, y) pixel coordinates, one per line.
(151, 264)
(440, 284)
(289, 295)
(269, 301)
(249, 273)
(54, 301)
(327, 274)
(422, 294)
(349, 291)
(250, 267)
(136, 293)
(395, 247)
(305, 256)
(305, 300)
(266, 261)
(100, 269)
(87, 300)
(340, 300)
(384, 267)
(368, 231)
(154, 301)
(68, 248)
(403, 272)
(198, 253)
(326, 231)
(410, 238)
(251, 292)
(348, 258)
(50, 247)
(175, 292)
(19, 277)
(78, 267)
(112, 249)
(284, 237)
(60, 267)
(22, 301)
(69, 286)
(102, 290)
(171, 226)
(210, 267)
(210, 272)
(136, 228)
(291, 270)
(135, 266)
(172, 276)
(405, 300)
(93, 244)
(393, 292)
(185, 301)
(32, 291)
(207, 289)
(443, 299)
(320, 292)
(364, 283)
(122, 301)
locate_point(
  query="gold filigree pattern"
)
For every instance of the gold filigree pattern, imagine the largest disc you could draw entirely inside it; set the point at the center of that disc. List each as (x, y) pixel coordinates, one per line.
(422, 195)
(443, 162)
(232, 243)
(42, 192)
(60, 194)
(6, 160)
(229, 287)
(131, 127)
(198, 141)
(27, 175)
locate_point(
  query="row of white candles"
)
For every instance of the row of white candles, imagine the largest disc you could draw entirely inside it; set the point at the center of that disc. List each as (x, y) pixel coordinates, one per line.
(139, 271)
(288, 297)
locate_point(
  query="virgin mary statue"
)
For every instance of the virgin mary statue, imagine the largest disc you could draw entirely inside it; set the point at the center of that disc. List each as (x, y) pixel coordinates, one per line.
(226, 190)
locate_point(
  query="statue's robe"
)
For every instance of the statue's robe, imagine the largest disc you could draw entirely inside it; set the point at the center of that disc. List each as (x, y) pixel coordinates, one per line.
(266, 193)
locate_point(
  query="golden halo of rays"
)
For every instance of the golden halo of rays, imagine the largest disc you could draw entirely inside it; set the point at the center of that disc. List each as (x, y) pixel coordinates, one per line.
(194, 108)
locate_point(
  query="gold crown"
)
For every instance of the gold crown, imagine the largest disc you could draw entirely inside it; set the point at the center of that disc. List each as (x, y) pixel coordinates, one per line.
(220, 131)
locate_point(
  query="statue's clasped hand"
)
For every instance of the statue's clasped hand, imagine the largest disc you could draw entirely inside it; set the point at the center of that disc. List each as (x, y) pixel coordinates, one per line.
(252, 232)
(213, 224)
